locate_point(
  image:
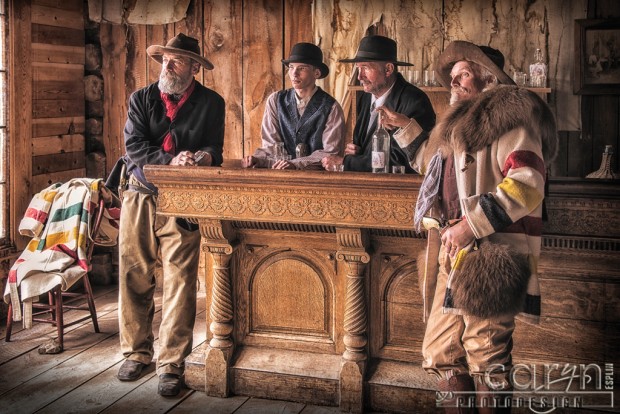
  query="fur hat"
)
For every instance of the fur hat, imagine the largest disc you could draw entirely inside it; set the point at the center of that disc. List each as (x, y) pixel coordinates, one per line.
(492, 281)
(180, 45)
(490, 58)
(376, 49)
(310, 54)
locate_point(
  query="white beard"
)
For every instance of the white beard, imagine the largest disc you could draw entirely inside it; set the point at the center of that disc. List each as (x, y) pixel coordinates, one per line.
(171, 83)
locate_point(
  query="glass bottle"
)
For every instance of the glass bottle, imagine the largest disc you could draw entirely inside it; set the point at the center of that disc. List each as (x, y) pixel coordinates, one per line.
(538, 71)
(380, 149)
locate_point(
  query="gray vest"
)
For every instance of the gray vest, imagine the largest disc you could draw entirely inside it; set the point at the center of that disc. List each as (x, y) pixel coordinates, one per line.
(309, 128)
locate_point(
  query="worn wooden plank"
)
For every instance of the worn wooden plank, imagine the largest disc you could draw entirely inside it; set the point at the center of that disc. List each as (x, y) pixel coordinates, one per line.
(135, 78)
(53, 16)
(73, 89)
(201, 402)
(115, 104)
(73, 5)
(47, 164)
(571, 299)
(24, 340)
(20, 371)
(297, 14)
(558, 339)
(46, 53)
(262, 66)
(57, 71)
(58, 144)
(57, 35)
(58, 126)
(39, 182)
(154, 36)
(262, 406)
(106, 390)
(223, 46)
(20, 82)
(50, 108)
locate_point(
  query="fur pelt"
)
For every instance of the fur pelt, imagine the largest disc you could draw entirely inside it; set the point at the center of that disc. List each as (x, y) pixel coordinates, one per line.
(472, 124)
(492, 281)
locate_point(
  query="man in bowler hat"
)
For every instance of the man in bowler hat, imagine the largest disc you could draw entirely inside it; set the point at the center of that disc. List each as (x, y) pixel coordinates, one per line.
(175, 121)
(377, 65)
(305, 119)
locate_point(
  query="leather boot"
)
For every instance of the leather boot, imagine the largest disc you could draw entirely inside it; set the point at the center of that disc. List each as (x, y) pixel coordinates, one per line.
(458, 392)
(490, 401)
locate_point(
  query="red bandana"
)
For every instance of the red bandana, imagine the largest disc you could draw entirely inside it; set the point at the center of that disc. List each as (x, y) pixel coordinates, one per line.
(172, 108)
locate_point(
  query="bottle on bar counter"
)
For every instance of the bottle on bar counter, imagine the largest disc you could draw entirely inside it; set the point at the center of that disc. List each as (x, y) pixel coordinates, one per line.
(538, 71)
(380, 149)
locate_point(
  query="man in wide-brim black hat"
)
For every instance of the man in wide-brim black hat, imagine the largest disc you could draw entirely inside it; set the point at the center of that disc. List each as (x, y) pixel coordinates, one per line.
(377, 64)
(175, 121)
(303, 124)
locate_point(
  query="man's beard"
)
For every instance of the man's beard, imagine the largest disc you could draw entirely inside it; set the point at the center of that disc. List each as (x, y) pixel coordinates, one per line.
(458, 94)
(171, 83)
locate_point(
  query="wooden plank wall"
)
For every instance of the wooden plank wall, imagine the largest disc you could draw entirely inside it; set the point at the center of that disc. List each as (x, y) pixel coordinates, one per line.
(246, 53)
(48, 128)
(246, 40)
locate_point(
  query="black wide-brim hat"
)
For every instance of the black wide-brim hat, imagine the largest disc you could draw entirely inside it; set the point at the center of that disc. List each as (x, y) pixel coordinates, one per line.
(310, 54)
(376, 49)
(490, 58)
(180, 45)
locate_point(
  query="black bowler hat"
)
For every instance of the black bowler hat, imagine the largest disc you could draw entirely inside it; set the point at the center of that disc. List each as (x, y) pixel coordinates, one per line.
(376, 49)
(459, 50)
(310, 54)
(180, 45)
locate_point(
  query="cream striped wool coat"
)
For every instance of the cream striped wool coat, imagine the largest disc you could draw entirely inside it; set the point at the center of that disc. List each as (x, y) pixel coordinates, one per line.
(503, 141)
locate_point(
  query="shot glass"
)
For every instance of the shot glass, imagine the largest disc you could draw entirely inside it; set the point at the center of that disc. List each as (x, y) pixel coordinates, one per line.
(398, 169)
(337, 167)
(415, 77)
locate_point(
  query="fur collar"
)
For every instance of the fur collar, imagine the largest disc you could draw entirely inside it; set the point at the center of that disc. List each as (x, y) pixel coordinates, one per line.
(474, 124)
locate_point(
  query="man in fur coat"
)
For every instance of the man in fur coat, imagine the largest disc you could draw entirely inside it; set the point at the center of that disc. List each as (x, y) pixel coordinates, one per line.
(485, 169)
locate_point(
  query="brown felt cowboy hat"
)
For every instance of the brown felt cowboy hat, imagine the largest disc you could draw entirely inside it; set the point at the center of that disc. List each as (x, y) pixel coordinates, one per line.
(310, 54)
(180, 45)
(490, 58)
(376, 49)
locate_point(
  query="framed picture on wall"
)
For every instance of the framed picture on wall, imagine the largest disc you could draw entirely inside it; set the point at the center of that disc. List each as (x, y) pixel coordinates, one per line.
(597, 57)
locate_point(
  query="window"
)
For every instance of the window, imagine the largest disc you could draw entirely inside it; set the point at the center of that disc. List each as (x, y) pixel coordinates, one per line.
(4, 188)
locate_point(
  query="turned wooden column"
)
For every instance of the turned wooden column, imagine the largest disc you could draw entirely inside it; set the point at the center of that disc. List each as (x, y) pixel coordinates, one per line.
(217, 239)
(352, 250)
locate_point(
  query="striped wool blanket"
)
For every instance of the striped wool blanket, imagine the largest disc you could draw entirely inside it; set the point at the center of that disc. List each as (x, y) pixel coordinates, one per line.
(58, 220)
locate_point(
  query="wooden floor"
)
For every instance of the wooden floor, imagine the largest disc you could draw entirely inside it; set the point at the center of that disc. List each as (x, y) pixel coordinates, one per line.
(82, 379)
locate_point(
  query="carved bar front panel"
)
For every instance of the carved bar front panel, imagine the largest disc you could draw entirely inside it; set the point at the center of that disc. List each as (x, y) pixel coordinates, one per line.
(313, 286)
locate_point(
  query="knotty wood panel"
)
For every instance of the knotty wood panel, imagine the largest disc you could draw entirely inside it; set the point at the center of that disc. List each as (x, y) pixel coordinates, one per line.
(58, 144)
(47, 53)
(47, 164)
(42, 33)
(262, 66)
(50, 108)
(61, 90)
(223, 46)
(43, 127)
(115, 103)
(39, 182)
(52, 16)
(73, 5)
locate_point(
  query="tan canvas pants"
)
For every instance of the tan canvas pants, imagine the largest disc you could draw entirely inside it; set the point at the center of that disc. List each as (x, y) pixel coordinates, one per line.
(456, 344)
(142, 235)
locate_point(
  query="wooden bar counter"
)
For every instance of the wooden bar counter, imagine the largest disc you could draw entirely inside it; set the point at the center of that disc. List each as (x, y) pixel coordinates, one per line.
(313, 294)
